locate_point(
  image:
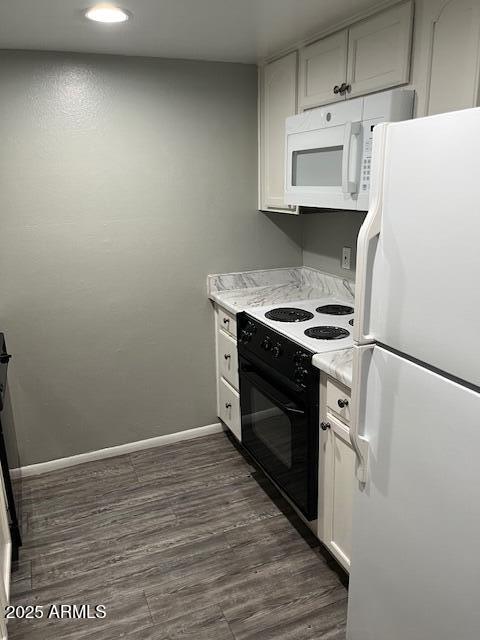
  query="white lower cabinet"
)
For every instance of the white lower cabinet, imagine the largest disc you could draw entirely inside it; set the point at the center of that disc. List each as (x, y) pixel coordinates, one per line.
(226, 321)
(336, 475)
(229, 407)
(228, 398)
(227, 359)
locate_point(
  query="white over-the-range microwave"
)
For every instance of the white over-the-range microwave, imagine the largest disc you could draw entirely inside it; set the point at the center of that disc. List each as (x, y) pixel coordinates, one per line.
(329, 149)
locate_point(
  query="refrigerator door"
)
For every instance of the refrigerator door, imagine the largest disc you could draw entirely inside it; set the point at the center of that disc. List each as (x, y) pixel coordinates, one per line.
(415, 571)
(419, 251)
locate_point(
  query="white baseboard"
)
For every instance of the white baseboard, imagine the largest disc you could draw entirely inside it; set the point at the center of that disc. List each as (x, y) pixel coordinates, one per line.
(111, 452)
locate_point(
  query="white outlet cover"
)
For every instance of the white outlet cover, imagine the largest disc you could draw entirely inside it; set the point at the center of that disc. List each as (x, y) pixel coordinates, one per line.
(346, 257)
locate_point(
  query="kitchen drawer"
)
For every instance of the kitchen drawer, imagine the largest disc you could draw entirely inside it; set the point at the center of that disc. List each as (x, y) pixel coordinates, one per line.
(338, 400)
(227, 358)
(229, 407)
(227, 321)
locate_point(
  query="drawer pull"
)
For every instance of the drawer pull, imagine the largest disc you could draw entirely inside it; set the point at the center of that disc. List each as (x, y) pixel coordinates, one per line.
(325, 425)
(228, 405)
(227, 356)
(342, 403)
(226, 321)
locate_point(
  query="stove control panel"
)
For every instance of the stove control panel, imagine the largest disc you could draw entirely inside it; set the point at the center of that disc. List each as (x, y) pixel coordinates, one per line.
(366, 167)
(277, 351)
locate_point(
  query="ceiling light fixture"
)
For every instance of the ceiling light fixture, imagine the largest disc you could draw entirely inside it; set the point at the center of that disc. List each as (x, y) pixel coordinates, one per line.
(107, 13)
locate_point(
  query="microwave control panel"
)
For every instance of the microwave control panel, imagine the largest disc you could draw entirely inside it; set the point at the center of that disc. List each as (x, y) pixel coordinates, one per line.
(367, 154)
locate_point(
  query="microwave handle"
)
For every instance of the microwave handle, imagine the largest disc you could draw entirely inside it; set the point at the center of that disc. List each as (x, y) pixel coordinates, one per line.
(351, 129)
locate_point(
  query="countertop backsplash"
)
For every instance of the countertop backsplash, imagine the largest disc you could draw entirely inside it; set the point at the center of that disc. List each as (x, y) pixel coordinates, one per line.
(237, 291)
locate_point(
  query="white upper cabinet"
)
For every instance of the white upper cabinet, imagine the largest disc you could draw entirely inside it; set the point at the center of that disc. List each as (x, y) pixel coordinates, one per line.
(369, 56)
(278, 101)
(379, 51)
(455, 57)
(323, 67)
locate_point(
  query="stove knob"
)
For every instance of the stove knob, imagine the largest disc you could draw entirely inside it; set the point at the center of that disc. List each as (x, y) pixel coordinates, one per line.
(300, 374)
(301, 358)
(266, 344)
(277, 350)
(246, 336)
(251, 327)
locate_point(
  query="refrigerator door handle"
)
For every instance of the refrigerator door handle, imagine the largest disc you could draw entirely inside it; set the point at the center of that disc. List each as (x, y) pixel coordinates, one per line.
(360, 444)
(351, 129)
(369, 230)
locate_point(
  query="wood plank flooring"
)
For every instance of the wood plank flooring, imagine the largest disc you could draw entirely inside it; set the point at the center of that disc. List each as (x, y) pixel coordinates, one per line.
(186, 541)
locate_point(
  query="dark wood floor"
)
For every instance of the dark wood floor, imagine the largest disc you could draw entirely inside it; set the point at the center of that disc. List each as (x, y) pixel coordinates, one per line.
(186, 541)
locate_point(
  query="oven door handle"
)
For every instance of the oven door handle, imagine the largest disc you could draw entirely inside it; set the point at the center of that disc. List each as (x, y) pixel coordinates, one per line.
(271, 394)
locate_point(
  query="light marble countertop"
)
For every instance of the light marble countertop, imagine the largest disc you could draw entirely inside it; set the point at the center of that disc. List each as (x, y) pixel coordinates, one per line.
(237, 292)
(337, 364)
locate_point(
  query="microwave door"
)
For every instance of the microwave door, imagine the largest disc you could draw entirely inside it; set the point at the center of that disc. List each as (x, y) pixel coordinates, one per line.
(322, 167)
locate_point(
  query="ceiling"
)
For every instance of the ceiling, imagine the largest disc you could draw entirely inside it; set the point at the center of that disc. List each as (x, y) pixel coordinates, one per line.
(226, 30)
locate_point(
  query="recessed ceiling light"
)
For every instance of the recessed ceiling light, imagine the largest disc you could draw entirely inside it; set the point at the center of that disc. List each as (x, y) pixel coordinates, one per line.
(107, 13)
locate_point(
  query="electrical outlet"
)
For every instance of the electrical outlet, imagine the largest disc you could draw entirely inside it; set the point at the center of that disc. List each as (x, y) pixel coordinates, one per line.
(346, 257)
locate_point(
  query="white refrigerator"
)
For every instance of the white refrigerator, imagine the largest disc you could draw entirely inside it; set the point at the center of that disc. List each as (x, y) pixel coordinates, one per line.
(415, 569)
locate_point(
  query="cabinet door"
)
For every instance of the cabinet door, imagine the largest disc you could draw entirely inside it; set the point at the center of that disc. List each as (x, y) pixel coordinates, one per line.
(229, 408)
(455, 61)
(227, 363)
(337, 492)
(379, 51)
(278, 102)
(323, 66)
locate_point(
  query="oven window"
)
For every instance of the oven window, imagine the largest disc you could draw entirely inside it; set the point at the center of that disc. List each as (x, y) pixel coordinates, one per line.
(272, 427)
(317, 167)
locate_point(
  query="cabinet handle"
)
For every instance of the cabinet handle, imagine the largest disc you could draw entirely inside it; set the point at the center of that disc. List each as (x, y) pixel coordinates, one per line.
(227, 356)
(344, 87)
(226, 321)
(336, 89)
(342, 403)
(228, 405)
(325, 425)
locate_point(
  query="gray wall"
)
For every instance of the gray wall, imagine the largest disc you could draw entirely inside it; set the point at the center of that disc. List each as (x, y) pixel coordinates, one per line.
(324, 235)
(123, 182)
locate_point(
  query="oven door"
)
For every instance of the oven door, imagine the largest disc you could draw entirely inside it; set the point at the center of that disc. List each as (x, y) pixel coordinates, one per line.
(280, 431)
(322, 161)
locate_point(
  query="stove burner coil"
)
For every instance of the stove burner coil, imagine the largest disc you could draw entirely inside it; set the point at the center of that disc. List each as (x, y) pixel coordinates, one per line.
(335, 309)
(289, 314)
(327, 333)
